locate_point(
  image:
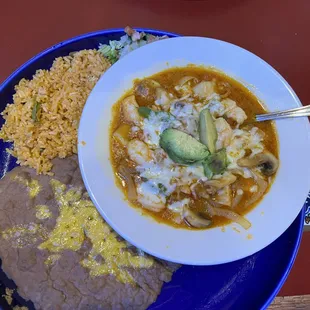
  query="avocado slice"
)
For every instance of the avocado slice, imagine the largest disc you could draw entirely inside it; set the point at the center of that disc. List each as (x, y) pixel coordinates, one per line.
(207, 130)
(181, 147)
(144, 111)
(207, 171)
(216, 163)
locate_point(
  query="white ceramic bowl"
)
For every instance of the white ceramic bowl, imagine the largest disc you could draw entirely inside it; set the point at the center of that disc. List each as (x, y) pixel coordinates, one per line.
(269, 219)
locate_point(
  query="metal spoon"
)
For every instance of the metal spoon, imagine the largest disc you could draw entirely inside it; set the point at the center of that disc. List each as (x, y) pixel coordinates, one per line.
(297, 112)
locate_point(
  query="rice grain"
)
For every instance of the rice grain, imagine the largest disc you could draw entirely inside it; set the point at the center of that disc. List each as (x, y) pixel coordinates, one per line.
(60, 93)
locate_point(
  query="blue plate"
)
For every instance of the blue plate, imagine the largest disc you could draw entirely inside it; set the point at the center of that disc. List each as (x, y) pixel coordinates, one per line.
(250, 283)
(307, 212)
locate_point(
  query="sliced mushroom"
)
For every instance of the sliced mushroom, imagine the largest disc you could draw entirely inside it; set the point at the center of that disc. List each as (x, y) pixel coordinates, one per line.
(268, 162)
(237, 171)
(194, 219)
(198, 190)
(212, 186)
(146, 89)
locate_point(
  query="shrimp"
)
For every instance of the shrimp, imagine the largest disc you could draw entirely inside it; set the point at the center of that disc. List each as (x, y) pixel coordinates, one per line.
(237, 114)
(224, 133)
(216, 108)
(228, 104)
(163, 98)
(130, 111)
(150, 198)
(230, 109)
(138, 152)
(204, 89)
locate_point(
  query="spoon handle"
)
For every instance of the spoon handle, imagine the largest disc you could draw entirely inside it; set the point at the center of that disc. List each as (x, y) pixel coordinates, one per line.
(297, 112)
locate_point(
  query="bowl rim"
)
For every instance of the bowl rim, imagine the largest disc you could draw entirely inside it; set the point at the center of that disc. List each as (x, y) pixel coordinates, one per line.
(148, 67)
(87, 35)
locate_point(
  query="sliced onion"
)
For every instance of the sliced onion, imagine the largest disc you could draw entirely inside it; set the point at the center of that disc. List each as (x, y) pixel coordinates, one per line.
(154, 83)
(231, 215)
(214, 203)
(262, 186)
(236, 200)
(215, 184)
(224, 196)
(224, 89)
(124, 173)
(237, 197)
(186, 79)
(209, 209)
(237, 171)
(199, 191)
(225, 95)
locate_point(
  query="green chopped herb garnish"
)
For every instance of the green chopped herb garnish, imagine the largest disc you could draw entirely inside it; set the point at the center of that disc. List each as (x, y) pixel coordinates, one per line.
(36, 112)
(162, 188)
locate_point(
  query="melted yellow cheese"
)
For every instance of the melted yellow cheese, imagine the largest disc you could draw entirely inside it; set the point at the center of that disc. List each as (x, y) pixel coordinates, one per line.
(79, 218)
(33, 185)
(8, 295)
(25, 234)
(43, 212)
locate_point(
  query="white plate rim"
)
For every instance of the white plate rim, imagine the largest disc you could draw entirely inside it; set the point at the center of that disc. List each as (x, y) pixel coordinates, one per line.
(199, 259)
